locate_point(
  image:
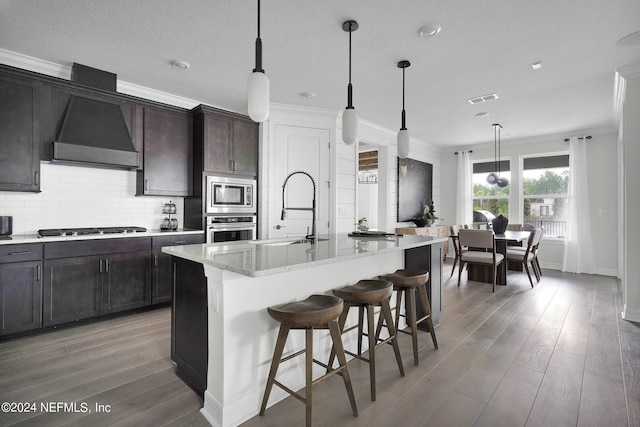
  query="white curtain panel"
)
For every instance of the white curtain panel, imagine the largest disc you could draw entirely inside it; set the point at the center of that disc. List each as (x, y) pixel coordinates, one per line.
(578, 244)
(464, 200)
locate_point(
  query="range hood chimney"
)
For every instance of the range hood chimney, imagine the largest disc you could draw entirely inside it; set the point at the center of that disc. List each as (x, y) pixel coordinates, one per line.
(94, 132)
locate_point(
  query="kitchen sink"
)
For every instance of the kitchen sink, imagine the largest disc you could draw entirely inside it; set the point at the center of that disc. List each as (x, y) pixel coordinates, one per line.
(284, 242)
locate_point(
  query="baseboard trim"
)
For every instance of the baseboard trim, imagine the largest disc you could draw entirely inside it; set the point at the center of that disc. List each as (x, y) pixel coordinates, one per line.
(631, 315)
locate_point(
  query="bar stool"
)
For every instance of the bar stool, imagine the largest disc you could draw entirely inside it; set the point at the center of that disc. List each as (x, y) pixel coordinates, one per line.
(408, 281)
(365, 295)
(315, 312)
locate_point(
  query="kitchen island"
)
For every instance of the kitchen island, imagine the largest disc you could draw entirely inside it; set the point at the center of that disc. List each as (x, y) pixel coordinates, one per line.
(222, 335)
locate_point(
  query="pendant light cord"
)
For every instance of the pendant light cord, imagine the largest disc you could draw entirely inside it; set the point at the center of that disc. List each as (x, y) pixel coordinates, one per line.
(404, 124)
(258, 68)
(349, 86)
(499, 154)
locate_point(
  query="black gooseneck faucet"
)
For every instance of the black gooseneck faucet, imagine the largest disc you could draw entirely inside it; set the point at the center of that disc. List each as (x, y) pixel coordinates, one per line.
(311, 237)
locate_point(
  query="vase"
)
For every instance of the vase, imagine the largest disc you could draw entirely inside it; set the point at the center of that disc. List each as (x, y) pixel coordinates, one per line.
(422, 222)
(499, 224)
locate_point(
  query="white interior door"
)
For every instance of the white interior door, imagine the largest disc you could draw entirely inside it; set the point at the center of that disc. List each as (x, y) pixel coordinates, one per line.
(299, 149)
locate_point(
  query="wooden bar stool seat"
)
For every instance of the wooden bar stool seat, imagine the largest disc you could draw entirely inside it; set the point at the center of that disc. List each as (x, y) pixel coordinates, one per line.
(408, 282)
(366, 294)
(315, 312)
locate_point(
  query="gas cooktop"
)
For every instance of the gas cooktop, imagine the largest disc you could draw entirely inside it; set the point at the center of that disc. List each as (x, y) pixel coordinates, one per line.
(51, 232)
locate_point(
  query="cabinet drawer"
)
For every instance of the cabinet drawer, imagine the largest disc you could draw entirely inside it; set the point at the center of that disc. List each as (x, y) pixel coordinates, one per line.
(20, 252)
(177, 240)
(67, 249)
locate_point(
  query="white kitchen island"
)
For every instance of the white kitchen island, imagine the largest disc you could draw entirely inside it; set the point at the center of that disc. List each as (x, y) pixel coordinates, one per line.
(239, 280)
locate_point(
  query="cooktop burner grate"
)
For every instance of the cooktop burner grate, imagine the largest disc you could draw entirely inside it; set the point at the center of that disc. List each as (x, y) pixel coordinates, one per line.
(54, 232)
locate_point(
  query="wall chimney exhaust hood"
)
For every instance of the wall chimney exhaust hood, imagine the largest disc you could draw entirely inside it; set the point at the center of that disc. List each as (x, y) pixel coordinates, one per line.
(94, 131)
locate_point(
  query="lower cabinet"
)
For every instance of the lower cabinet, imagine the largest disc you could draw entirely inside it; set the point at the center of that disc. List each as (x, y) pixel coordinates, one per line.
(89, 278)
(126, 282)
(189, 324)
(162, 269)
(20, 288)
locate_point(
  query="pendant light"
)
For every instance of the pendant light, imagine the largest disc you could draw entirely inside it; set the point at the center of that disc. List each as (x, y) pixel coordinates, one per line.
(492, 178)
(403, 133)
(258, 85)
(349, 116)
(502, 182)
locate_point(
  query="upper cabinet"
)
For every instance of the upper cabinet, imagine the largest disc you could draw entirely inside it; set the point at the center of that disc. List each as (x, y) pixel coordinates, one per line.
(19, 133)
(224, 142)
(167, 153)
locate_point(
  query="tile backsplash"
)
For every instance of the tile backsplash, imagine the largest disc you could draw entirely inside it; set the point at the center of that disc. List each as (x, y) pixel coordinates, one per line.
(76, 196)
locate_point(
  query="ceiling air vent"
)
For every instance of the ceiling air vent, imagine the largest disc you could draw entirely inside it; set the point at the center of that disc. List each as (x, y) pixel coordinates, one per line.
(483, 98)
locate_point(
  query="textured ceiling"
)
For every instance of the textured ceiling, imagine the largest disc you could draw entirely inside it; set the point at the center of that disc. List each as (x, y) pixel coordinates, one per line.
(485, 46)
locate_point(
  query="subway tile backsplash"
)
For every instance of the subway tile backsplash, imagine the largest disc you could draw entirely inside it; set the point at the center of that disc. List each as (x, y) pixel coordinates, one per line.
(75, 196)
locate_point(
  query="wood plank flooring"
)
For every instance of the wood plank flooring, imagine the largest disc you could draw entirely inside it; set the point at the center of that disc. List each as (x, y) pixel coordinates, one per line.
(557, 354)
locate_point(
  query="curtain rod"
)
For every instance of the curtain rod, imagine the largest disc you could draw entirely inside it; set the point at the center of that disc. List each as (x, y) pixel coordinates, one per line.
(586, 137)
(470, 151)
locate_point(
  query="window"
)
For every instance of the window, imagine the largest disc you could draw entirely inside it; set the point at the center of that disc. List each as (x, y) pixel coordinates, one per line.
(545, 183)
(487, 197)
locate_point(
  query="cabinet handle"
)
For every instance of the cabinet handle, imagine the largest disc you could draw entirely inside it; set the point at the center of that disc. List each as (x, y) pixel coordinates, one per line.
(20, 253)
(179, 242)
(155, 260)
(37, 177)
(146, 184)
(99, 266)
(106, 265)
(231, 164)
(37, 273)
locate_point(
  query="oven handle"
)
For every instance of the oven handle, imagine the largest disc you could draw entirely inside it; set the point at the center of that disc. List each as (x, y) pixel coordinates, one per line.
(228, 227)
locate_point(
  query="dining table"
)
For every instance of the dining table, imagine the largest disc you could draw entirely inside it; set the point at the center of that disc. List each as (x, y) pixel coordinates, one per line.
(481, 273)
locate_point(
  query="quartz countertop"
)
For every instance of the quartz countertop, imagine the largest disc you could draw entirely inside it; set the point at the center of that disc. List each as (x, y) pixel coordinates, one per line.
(34, 238)
(264, 257)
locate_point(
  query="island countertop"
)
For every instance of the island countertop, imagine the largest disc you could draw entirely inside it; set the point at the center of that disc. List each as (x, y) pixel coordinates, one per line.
(258, 258)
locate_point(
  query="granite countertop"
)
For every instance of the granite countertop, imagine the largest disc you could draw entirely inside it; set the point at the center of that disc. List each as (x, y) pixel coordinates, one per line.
(34, 238)
(264, 257)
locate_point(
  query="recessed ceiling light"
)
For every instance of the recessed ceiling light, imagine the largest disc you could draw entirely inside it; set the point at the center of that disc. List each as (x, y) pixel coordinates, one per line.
(629, 40)
(483, 98)
(180, 65)
(308, 95)
(429, 30)
(481, 115)
(536, 65)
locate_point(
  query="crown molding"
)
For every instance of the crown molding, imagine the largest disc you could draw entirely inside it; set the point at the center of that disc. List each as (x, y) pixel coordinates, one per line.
(53, 69)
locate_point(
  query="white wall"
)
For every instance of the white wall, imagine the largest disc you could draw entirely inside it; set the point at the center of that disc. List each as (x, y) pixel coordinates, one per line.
(76, 196)
(601, 153)
(344, 166)
(631, 198)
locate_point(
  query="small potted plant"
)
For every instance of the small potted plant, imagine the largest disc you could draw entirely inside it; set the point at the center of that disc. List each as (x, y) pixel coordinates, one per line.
(362, 225)
(428, 216)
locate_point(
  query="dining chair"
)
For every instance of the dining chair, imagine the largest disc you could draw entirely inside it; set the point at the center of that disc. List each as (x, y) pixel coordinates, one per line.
(528, 255)
(458, 250)
(535, 249)
(484, 252)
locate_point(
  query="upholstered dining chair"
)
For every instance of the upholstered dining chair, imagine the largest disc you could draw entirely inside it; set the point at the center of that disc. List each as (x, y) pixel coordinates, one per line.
(528, 255)
(458, 250)
(535, 260)
(483, 253)
(515, 227)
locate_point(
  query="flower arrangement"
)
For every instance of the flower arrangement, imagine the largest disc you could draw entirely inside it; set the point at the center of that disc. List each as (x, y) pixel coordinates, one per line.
(428, 212)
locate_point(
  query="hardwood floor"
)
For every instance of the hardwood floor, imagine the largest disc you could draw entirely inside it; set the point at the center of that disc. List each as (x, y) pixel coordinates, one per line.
(554, 355)
(557, 354)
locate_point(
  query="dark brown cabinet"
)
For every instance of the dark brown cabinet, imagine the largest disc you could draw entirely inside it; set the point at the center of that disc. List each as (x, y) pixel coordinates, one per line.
(19, 133)
(89, 278)
(167, 153)
(224, 143)
(162, 269)
(189, 320)
(20, 288)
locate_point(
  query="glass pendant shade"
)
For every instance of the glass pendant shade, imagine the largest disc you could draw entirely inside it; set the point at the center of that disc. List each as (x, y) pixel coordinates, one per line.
(349, 126)
(492, 178)
(403, 143)
(258, 96)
